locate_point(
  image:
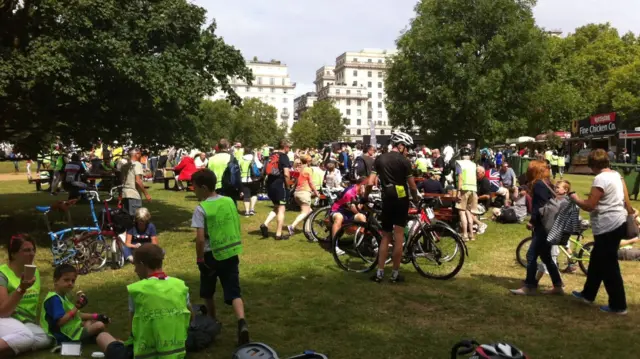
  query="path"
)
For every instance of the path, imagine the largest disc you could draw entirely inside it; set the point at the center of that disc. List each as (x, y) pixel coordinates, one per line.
(13, 177)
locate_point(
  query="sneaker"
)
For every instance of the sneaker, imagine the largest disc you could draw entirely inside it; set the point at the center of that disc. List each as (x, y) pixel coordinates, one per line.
(554, 291)
(376, 279)
(482, 228)
(290, 229)
(283, 237)
(578, 295)
(523, 291)
(247, 214)
(243, 333)
(607, 309)
(252, 213)
(264, 231)
(339, 251)
(571, 268)
(398, 279)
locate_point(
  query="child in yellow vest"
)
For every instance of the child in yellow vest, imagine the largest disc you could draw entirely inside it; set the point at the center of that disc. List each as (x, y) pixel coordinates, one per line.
(60, 317)
(218, 245)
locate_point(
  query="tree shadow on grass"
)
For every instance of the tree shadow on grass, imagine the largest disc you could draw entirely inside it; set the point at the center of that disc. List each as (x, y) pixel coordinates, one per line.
(18, 215)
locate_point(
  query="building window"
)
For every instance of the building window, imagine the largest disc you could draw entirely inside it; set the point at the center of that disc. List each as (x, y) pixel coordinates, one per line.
(285, 111)
(382, 132)
(380, 61)
(370, 115)
(379, 85)
(379, 94)
(348, 92)
(348, 112)
(355, 59)
(359, 122)
(273, 90)
(337, 91)
(248, 88)
(369, 95)
(328, 73)
(348, 131)
(370, 105)
(379, 123)
(369, 60)
(379, 114)
(359, 101)
(355, 72)
(273, 100)
(359, 93)
(359, 112)
(284, 91)
(285, 100)
(355, 83)
(283, 82)
(272, 81)
(358, 132)
(260, 89)
(380, 74)
(370, 74)
(379, 104)
(347, 121)
(348, 102)
(369, 84)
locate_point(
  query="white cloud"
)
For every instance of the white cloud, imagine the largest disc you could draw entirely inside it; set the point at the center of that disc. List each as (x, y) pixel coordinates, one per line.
(309, 34)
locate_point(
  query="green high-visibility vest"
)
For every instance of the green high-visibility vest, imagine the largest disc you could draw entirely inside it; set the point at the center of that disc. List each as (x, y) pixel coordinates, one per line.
(547, 155)
(244, 168)
(554, 160)
(561, 161)
(27, 309)
(469, 176)
(265, 152)
(218, 164)
(161, 318)
(239, 153)
(421, 164)
(223, 228)
(318, 177)
(72, 329)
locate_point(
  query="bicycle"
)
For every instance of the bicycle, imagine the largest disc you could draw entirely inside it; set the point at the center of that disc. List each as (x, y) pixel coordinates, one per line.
(316, 223)
(426, 239)
(583, 251)
(83, 246)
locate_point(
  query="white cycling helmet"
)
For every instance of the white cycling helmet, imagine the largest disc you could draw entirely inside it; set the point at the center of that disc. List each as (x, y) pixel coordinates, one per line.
(499, 350)
(401, 138)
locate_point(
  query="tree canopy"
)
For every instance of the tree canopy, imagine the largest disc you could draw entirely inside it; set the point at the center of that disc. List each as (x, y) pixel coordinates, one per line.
(329, 124)
(106, 69)
(304, 133)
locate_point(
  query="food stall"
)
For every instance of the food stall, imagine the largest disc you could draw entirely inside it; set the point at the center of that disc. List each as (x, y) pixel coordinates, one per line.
(597, 131)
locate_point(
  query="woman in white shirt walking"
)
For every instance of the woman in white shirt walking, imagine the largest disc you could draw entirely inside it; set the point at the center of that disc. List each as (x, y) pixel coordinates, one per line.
(609, 205)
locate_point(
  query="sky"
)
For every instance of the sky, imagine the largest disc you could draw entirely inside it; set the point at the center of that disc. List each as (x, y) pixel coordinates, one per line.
(307, 34)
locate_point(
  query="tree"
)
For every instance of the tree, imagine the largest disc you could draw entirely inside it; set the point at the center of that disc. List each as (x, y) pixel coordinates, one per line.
(255, 124)
(304, 133)
(213, 122)
(328, 120)
(623, 90)
(466, 69)
(106, 68)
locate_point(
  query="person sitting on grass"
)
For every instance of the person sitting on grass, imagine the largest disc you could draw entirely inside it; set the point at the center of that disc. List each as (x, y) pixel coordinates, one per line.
(142, 232)
(159, 312)
(59, 316)
(218, 244)
(345, 209)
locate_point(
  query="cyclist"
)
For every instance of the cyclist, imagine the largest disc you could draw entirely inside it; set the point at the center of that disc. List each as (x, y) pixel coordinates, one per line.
(394, 172)
(345, 209)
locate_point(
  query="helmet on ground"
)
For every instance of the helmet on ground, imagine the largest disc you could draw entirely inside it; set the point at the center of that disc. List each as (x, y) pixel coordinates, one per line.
(498, 350)
(398, 138)
(464, 151)
(255, 350)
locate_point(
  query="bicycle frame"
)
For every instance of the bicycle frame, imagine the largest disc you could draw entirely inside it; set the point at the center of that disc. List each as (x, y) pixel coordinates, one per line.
(578, 246)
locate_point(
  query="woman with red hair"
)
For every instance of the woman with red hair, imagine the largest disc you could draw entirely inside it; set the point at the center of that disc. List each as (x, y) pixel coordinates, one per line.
(539, 180)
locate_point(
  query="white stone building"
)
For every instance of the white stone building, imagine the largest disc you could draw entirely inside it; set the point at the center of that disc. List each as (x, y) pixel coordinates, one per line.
(356, 86)
(271, 84)
(303, 103)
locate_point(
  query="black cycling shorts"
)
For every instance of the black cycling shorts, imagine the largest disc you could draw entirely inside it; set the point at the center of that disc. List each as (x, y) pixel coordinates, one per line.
(228, 273)
(277, 193)
(395, 212)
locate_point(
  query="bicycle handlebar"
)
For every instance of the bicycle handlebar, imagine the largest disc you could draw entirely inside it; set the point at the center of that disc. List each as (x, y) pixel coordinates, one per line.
(112, 194)
(90, 194)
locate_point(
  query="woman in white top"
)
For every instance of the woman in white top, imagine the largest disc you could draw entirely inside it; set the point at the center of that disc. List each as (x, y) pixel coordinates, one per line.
(202, 161)
(609, 205)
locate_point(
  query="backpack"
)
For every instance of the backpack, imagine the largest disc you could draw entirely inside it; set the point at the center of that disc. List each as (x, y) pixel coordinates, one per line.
(359, 169)
(202, 330)
(254, 171)
(508, 215)
(232, 176)
(273, 166)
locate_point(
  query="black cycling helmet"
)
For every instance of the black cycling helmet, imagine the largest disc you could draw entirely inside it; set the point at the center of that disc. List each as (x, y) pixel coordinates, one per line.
(465, 151)
(255, 350)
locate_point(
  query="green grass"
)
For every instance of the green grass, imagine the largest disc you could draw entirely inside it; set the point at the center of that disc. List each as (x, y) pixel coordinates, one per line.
(296, 297)
(7, 167)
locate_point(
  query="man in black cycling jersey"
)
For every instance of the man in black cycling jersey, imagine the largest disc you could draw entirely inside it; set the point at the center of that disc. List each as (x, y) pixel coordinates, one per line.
(394, 172)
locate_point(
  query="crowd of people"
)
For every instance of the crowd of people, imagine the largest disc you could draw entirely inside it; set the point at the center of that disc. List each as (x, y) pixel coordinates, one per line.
(160, 306)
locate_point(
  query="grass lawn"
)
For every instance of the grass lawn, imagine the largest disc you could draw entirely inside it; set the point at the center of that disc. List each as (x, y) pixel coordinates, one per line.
(297, 298)
(7, 167)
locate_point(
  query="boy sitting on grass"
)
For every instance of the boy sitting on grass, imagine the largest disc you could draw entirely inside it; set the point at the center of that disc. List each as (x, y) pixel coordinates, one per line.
(218, 244)
(159, 312)
(59, 316)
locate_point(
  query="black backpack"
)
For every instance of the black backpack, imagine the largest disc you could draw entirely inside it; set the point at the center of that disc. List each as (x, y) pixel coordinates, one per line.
(358, 170)
(202, 330)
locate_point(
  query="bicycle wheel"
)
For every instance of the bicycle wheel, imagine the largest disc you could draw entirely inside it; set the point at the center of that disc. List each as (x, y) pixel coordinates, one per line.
(117, 254)
(437, 251)
(521, 251)
(94, 251)
(319, 224)
(355, 247)
(584, 256)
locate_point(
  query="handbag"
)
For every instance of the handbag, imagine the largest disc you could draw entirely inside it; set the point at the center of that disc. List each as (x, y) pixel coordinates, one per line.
(632, 226)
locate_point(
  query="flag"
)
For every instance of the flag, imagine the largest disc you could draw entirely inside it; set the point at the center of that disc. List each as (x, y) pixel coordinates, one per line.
(494, 178)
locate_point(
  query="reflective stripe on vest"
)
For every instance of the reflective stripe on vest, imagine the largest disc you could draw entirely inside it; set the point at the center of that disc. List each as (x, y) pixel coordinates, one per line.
(469, 176)
(218, 164)
(223, 227)
(161, 318)
(27, 308)
(72, 329)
